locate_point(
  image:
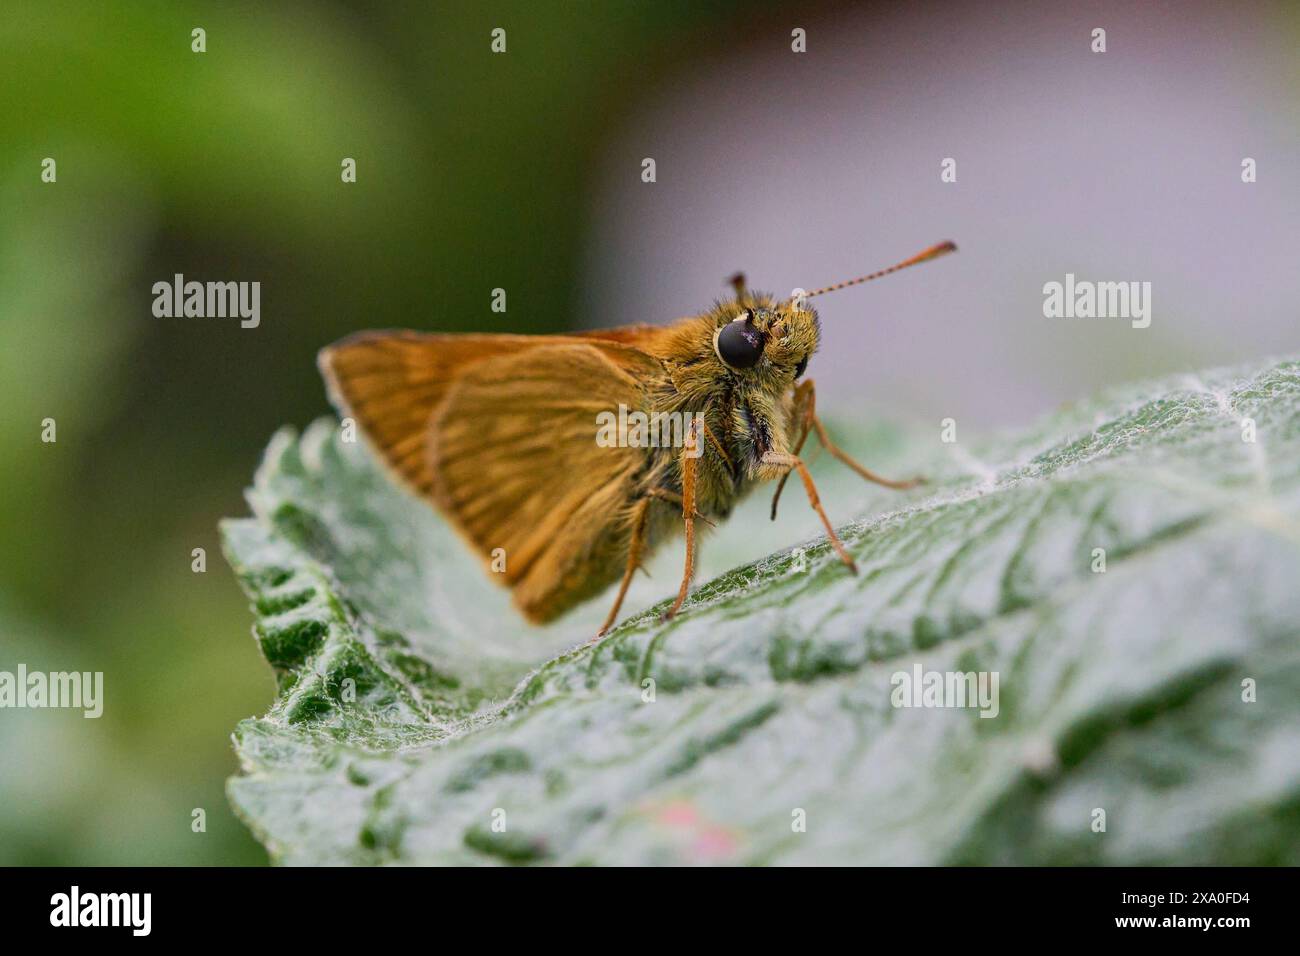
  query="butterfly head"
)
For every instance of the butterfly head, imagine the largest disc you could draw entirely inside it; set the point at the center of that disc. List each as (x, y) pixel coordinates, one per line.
(768, 338)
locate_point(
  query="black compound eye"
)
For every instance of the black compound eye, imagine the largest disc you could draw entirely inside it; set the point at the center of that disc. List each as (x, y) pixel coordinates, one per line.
(801, 367)
(740, 345)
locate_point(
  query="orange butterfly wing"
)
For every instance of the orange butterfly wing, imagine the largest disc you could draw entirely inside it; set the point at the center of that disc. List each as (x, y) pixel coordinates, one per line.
(500, 432)
(390, 382)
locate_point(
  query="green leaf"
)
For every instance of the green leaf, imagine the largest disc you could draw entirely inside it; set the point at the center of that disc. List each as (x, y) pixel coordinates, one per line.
(1119, 690)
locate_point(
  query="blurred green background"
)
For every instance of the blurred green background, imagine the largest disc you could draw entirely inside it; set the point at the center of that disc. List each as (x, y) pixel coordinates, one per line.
(477, 171)
(226, 165)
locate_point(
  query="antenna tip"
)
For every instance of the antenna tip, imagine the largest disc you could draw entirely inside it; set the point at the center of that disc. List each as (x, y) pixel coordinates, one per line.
(933, 252)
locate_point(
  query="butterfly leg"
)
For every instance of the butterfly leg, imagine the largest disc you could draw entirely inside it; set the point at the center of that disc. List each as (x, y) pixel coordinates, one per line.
(804, 404)
(805, 414)
(639, 517)
(690, 458)
(794, 463)
(866, 473)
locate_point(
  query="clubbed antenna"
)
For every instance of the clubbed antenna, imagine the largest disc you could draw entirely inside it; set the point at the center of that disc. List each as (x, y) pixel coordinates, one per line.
(934, 252)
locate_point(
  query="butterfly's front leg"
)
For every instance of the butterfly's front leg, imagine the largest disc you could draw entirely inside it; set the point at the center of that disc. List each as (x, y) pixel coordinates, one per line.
(806, 420)
(795, 463)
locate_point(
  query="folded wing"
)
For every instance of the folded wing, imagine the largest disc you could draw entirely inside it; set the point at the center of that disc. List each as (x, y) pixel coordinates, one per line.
(516, 465)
